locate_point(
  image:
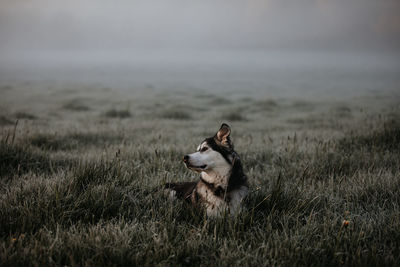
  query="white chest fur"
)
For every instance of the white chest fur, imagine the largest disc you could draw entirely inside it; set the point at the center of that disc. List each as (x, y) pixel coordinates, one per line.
(217, 206)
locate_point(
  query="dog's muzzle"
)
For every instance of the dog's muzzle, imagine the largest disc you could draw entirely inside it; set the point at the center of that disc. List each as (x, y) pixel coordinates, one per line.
(186, 160)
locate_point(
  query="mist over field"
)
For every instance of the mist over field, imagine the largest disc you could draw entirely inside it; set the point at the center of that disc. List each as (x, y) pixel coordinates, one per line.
(99, 101)
(243, 45)
(282, 48)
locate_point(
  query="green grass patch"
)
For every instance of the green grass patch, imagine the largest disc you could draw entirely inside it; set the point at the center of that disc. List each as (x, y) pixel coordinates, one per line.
(116, 113)
(4, 121)
(233, 116)
(220, 101)
(384, 138)
(55, 142)
(25, 116)
(75, 105)
(176, 114)
(17, 159)
(266, 104)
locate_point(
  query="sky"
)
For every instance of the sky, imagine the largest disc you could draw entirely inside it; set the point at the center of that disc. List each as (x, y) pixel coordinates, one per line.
(82, 25)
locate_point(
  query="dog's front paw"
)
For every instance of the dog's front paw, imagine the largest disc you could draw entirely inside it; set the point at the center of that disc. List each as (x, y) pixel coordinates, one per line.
(170, 193)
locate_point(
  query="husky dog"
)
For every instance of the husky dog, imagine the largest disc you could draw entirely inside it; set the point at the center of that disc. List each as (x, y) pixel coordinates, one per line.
(222, 184)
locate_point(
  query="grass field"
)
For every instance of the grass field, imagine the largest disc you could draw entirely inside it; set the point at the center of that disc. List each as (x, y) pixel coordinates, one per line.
(78, 169)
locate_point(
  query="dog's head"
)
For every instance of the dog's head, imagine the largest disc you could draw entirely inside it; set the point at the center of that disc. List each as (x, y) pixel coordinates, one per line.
(214, 153)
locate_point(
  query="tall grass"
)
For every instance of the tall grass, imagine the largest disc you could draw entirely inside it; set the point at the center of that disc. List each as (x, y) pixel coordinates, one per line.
(322, 201)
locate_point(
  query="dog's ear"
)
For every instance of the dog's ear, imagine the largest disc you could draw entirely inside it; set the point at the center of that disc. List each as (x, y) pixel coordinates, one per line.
(222, 136)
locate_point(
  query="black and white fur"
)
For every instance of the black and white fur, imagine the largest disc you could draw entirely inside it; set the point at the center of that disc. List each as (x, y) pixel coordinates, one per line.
(222, 185)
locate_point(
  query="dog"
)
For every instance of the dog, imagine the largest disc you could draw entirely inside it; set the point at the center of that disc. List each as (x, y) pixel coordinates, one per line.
(222, 185)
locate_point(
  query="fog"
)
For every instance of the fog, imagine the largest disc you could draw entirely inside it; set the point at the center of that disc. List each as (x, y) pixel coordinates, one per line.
(231, 43)
(179, 24)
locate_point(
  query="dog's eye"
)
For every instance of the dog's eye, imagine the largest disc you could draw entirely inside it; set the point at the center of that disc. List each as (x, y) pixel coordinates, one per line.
(204, 149)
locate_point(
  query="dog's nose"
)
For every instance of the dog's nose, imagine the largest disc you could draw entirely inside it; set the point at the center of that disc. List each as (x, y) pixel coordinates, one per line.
(186, 158)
